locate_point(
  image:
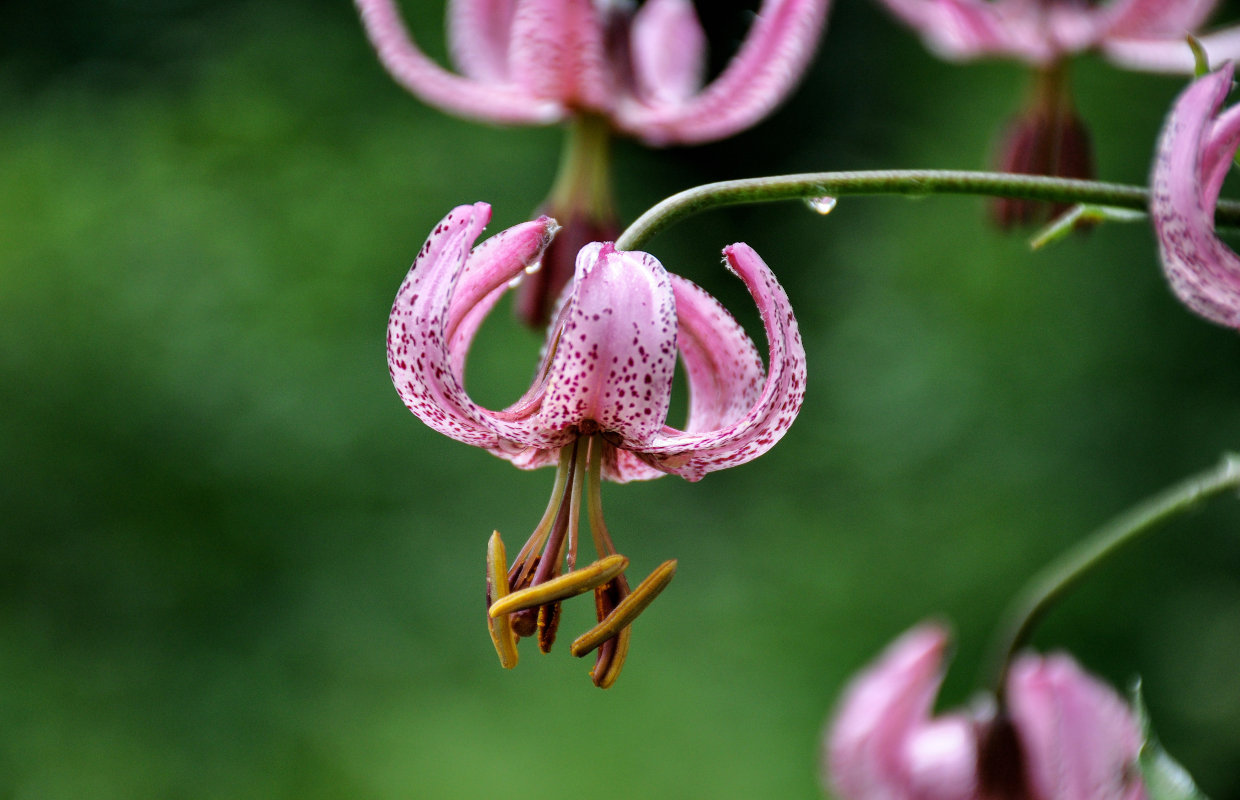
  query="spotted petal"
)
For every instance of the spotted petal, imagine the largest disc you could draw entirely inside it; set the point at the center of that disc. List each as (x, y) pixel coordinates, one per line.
(1192, 158)
(612, 366)
(722, 365)
(771, 60)
(475, 99)
(433, 308)
(691, 454)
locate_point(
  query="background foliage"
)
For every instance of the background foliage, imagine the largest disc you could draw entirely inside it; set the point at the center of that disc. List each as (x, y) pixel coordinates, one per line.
(233, 565)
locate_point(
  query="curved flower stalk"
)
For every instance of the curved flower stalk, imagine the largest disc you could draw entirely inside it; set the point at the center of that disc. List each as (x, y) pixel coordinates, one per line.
(1194, 155)
(600, 66)
(1064, 735)
(1048, 137)
(599, 402)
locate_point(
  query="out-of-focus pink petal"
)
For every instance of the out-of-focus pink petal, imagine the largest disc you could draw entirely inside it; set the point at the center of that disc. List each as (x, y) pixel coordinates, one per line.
(492, 102)
(1155, 19)
(771, 60)
(958, 30)
(1203, 272)
(668, 51)
(558, 52)
(1079, 739)
(616, 352)
(424, 371)
(692, 454)
(1171, 55)
(478, 33)
(882, 735)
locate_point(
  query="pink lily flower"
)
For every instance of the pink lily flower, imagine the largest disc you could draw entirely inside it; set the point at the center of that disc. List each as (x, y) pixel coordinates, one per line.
(1063, 736)
(602, 67)
(1194, 155)
(1137, 34)
(535, 62)
(599, 402)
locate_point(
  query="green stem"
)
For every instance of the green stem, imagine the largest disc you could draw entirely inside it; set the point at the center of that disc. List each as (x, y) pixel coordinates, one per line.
(583, 180)
(1062, 574)
(914, 183)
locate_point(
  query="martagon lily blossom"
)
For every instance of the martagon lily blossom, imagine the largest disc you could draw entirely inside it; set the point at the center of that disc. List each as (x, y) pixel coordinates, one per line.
(598, 404)
(1136, 34)
(1195, 152)
(1064, 735)
(1048, 137)
(536, 62)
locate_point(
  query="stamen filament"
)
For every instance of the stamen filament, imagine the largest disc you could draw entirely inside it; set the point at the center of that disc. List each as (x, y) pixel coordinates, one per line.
(570, 585)
(502, 635)
(539, 537)
(626, 610)
(594, 497)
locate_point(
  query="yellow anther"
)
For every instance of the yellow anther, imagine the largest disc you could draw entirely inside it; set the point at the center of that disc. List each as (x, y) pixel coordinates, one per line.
(625, 612)
(574, 583)
(502, 636)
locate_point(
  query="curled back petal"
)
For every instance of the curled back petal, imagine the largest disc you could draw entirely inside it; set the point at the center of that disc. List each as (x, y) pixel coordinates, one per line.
(478, 33)
(492, 102)
(958, 30)
(1171, 55)
(1080, 740)
(723, 369)
(1203, 272)
(558, 52)
(668, 51)
(612, 366)
(771, 60)
(692, 454)
(423, 369)
(882, 742)
(1156, 19)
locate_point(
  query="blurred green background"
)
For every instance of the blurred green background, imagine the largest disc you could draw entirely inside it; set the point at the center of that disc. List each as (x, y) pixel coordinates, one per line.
(232, 565)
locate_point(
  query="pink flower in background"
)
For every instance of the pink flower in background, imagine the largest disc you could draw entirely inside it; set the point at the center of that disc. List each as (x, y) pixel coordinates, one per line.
(1194, 155)
(1138, 34)
(1063, 736)
(1048, 137)
(534, 62)
(599, 401)
(601, 66)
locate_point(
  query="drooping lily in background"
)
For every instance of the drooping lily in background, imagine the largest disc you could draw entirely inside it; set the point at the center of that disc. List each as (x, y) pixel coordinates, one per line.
(1194, 155)
(1063, 734)
(1048, 137)
(601, 67)
(598, 404)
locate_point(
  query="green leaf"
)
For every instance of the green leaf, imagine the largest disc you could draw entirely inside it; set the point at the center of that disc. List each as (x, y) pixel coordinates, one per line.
(1079, 216)
(1164, 778)
(1201, 60)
